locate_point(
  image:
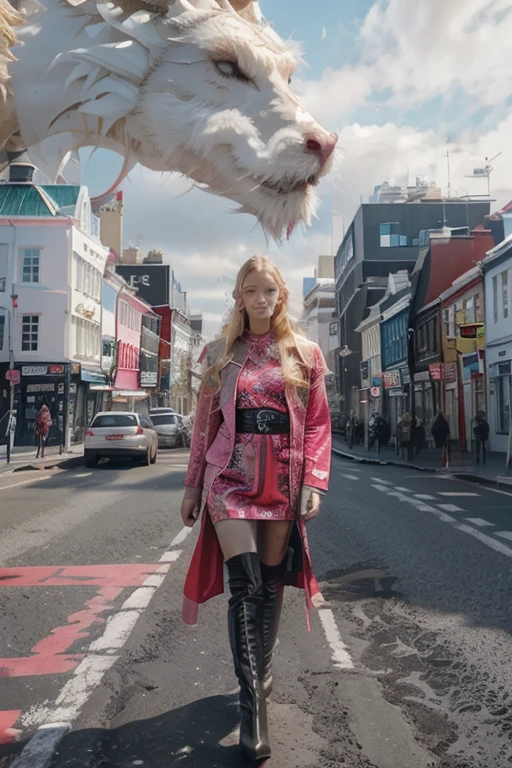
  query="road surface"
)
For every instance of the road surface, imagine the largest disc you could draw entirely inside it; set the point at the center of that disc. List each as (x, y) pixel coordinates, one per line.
(408, 663)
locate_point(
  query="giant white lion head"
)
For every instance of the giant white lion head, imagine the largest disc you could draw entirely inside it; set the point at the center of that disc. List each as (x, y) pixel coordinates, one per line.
(201, 87)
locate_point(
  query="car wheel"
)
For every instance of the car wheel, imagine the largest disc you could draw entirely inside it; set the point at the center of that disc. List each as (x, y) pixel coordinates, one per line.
(153, 458)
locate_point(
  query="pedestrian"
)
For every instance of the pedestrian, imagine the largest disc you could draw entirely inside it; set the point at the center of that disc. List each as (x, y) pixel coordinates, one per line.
(481, 433)
(404, 436)
(259, 461)
(42, 428)
(441, 433)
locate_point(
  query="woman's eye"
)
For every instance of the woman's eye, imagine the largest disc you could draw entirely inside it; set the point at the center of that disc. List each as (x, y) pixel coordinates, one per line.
(231, 69)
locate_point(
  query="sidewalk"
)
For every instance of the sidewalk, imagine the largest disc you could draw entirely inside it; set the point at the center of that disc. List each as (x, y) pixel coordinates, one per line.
(24, 457)
(429, 460)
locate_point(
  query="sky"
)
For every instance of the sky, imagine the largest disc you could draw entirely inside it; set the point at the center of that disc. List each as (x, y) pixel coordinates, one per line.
(402, 82)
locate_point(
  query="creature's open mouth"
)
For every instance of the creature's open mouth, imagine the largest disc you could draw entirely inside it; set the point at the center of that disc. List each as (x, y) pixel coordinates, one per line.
(287, 186)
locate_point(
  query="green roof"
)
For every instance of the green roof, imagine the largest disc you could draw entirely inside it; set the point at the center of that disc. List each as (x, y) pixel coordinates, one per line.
(36, 199)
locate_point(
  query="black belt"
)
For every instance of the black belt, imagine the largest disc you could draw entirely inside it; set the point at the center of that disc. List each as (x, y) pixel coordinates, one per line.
(264, 421)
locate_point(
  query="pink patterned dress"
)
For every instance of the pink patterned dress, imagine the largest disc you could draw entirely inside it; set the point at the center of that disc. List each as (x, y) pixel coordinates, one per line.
(255, 485)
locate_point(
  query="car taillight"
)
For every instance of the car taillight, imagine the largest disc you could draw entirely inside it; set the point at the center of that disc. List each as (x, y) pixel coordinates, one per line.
(90, 433)
(139, 431)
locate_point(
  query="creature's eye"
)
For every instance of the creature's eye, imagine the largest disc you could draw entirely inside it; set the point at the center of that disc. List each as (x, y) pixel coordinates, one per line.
(290, 80)
(231, 69)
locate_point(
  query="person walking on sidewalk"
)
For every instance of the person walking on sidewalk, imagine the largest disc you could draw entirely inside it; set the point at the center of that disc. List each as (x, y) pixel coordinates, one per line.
(259, 461)
(42, 428)
(481, 433)
(441, 433)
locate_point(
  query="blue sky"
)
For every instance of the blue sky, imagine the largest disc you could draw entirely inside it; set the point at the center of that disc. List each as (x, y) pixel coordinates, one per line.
(401, 81)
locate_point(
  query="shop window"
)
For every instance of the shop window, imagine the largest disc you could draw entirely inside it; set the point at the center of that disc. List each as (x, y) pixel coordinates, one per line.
(29, 333)
(502, 404)
(30, 258)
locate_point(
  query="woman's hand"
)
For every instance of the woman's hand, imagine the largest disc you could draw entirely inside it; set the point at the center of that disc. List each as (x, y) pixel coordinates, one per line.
(309, 504)
(190, 506)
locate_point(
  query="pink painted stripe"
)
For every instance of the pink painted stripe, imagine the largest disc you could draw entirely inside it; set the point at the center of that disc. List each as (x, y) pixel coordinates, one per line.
(7, 719)
(132, 575)
(38, 665)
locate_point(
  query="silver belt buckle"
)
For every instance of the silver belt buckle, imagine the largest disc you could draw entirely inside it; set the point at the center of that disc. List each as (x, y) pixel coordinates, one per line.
(262, 421)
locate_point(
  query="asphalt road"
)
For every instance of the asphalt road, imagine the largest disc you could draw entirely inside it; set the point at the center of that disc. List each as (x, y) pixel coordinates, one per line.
(408, 663)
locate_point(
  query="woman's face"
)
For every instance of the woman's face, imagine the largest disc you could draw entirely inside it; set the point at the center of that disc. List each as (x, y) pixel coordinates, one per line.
(259, 295)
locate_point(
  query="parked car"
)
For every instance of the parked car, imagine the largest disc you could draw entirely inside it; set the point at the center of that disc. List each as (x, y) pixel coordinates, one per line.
(120, 434)
(159, 410)
(171, 430)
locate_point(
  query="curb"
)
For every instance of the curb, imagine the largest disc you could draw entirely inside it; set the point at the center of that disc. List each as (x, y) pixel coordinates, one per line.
(468, 476)
(381, 462)
(60, 463)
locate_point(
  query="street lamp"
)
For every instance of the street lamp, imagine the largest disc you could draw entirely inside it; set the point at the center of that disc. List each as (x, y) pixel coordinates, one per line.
(7, 311)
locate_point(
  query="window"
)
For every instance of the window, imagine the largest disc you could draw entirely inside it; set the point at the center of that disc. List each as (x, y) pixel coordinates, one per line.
(469, 310)
(495, 299)
(502, 383)
(115, 420)
(29, 333)
(479, 308)
(30, 265)
(391, 237)
(504, 292)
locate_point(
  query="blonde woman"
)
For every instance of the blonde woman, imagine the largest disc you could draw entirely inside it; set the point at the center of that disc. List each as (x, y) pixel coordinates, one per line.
(259, 461)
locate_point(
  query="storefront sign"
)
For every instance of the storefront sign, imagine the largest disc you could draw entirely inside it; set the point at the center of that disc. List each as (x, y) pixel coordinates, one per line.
(376, 381)
(450, 372)
(470, 330)
(148, 378)
(56, 370)
(34, 370)
(391, 379)
(375, 392)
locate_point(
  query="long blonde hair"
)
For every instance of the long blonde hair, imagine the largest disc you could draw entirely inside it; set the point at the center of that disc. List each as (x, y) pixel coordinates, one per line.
(294, 349)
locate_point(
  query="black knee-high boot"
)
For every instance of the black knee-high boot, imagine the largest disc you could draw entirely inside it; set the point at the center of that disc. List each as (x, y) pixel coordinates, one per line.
(245, 624)
(273, 591)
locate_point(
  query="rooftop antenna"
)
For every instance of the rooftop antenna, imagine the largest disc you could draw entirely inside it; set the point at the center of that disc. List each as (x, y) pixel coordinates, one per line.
(484, 173)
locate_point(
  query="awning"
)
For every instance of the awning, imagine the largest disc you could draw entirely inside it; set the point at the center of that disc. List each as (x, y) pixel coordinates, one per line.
(127, 393)
(94, 377)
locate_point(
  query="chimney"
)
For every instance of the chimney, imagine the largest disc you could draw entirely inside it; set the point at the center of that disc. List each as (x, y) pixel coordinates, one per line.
(21, 168)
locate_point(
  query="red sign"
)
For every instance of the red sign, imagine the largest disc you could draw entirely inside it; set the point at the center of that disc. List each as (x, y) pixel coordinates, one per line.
(436, 371)
(470, 330)
(55, 369)
(391, 379)
(375, 391)
(13, 376)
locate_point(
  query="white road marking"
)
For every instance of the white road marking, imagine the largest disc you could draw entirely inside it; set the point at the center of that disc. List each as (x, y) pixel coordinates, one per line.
(140, 599)
(170, 557)
(43, 742)
(84, 474)
(492, 543)
(351, 477)
(425, 496)
(457, 493)
(478, 521)
(340, 654)
(381, 482)
(58, 718)
(118, 630)
(383, 488)
(24, 482)
(504, 534)
(451, 508)
(73, 696)
(404, 490)
(180, 538)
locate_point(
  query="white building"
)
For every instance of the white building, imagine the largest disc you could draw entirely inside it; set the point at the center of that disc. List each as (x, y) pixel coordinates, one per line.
(51, 269)
(497, 268)
(319, 319)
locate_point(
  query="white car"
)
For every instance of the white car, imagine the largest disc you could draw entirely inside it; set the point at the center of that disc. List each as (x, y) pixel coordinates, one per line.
(120, 434)
(171, 430)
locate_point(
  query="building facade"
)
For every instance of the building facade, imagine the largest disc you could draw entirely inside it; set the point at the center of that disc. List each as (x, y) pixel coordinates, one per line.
(497, 269)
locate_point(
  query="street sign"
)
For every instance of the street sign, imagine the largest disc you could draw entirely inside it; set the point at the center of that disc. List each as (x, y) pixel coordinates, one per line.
(13, 376)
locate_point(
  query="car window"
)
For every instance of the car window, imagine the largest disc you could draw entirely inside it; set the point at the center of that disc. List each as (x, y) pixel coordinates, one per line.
(145, 422)
(163, 419)
(115, 420)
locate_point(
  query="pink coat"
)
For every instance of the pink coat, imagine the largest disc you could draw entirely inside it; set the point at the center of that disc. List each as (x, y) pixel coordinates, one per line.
(212, 445)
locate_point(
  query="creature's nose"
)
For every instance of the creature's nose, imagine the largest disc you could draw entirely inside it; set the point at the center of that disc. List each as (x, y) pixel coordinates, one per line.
(321, 145)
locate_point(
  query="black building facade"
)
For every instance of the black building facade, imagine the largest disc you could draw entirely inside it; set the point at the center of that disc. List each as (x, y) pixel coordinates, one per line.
(383, 238)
